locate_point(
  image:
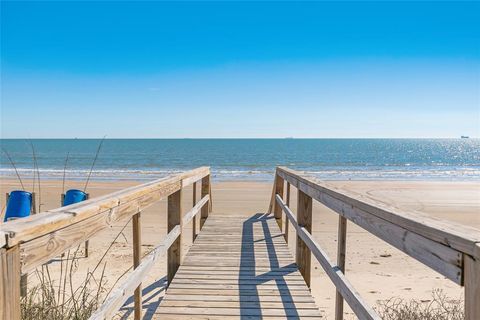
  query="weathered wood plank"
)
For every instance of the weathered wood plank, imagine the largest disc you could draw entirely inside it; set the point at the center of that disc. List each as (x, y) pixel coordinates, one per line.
(137, 253)
(341, 251)
(238, 298)
(26, 229)
(237, 311)
(437, 256)
(174, 219)
(195, 210)
(448, 233)
(10, 284)
(194, 202)
(304, 218)
(277, 211)
(205, 190)
(119, 295)
(472, 287)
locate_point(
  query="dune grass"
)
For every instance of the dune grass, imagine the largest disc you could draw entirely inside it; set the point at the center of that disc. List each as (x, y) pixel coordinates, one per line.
(439, 307)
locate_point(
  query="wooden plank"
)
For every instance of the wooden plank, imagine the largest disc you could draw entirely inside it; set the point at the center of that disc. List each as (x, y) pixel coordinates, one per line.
(233, 292)
(195, 210)
(119, 295)
(240, 304)
(236, 276)
(10, 284)
(29, 228)
(459, 237)
(304, 219)
(205, 190)
(441, 258)
(277, 211)
(288, 205)
(87, 243)
(341, 251)
(186, 297)
(137, 253)
(224, 317)
(472, 287)
(194, 202)
(174, 219)
(237, 311)
(3, 239)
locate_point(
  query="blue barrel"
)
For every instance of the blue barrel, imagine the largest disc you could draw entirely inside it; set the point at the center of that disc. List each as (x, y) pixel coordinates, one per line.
(19, 205)
(73, 196)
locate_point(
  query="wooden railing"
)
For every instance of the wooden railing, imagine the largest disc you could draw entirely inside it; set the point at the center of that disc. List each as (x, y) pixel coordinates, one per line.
(451, 249)
(30, 242)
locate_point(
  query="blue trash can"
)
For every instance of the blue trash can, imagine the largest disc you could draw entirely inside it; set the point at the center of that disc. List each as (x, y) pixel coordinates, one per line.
(19, 205)
(73, 196)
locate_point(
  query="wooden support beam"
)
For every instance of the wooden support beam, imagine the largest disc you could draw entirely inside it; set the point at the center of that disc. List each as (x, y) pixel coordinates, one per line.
(286, 219)
(341, 250)
(472, 287)
(205, 209)
(277, 210)
(194, 221)
(137, 256)
(174, 219)
(34, 203)
(10, 284)
(304, 219)
(190, 215)
(87, 243)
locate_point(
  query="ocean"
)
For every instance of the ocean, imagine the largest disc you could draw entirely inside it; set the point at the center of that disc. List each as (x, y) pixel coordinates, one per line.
(248, 159)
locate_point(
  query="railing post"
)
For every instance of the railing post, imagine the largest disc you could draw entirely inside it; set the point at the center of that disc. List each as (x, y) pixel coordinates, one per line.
(304, 219)
(194, 220)
(472, 286)
(341, 250)
(174, 218)
(10, 284)
(87, 243)
(34, 203)
(137, 255)
(277, 210)
(205, 209)
(286, 219)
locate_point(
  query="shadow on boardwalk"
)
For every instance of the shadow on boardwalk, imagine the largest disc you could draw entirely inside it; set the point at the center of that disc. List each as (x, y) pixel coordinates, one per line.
(250, 304)
(151, 300)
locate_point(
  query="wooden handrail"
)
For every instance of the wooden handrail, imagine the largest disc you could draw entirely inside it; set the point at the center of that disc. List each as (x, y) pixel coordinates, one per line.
(30, 242)
(117, 297)
(195, 210)
(358, 305)
(118, 205)
(451, 249)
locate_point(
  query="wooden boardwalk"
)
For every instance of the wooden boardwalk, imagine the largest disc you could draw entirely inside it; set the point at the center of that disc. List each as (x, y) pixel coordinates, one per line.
(238, 268)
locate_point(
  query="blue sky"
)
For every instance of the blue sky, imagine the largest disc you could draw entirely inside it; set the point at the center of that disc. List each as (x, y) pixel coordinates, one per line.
(230, 69)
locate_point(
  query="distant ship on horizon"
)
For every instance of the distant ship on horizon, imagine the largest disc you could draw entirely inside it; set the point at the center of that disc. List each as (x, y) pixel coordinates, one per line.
(464, 137)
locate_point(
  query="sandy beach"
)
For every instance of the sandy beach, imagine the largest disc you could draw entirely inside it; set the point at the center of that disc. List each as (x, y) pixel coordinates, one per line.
(377, 270)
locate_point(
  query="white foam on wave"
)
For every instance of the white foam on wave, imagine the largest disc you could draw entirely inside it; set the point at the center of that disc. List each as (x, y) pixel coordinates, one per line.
(431, 173)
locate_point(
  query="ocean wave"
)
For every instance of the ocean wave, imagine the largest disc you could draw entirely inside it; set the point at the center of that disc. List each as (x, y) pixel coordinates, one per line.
(378, 173)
